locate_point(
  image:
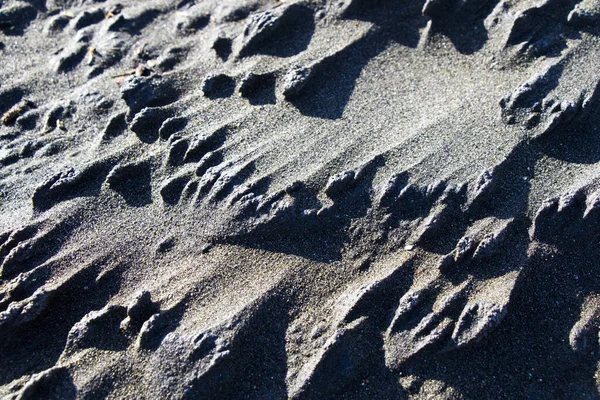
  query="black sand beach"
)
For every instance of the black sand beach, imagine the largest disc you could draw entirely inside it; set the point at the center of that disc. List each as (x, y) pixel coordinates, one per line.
(303, 199)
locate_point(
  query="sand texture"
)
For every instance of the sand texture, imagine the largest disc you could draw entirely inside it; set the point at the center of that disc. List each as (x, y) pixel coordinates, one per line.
(300, 199)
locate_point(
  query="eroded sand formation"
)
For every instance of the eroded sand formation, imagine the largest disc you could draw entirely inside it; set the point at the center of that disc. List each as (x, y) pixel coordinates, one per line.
(299, 199)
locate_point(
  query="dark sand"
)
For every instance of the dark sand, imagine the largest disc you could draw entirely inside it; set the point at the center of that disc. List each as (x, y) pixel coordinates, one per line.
(299, 199)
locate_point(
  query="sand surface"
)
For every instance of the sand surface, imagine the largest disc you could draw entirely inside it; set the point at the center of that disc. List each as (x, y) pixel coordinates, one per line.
(303, 199)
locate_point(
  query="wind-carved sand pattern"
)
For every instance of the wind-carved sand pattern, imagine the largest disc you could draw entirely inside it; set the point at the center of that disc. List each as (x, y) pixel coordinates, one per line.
(299, 199)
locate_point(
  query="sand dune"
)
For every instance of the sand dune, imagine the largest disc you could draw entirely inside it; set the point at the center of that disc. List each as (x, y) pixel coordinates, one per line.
(302, 199)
